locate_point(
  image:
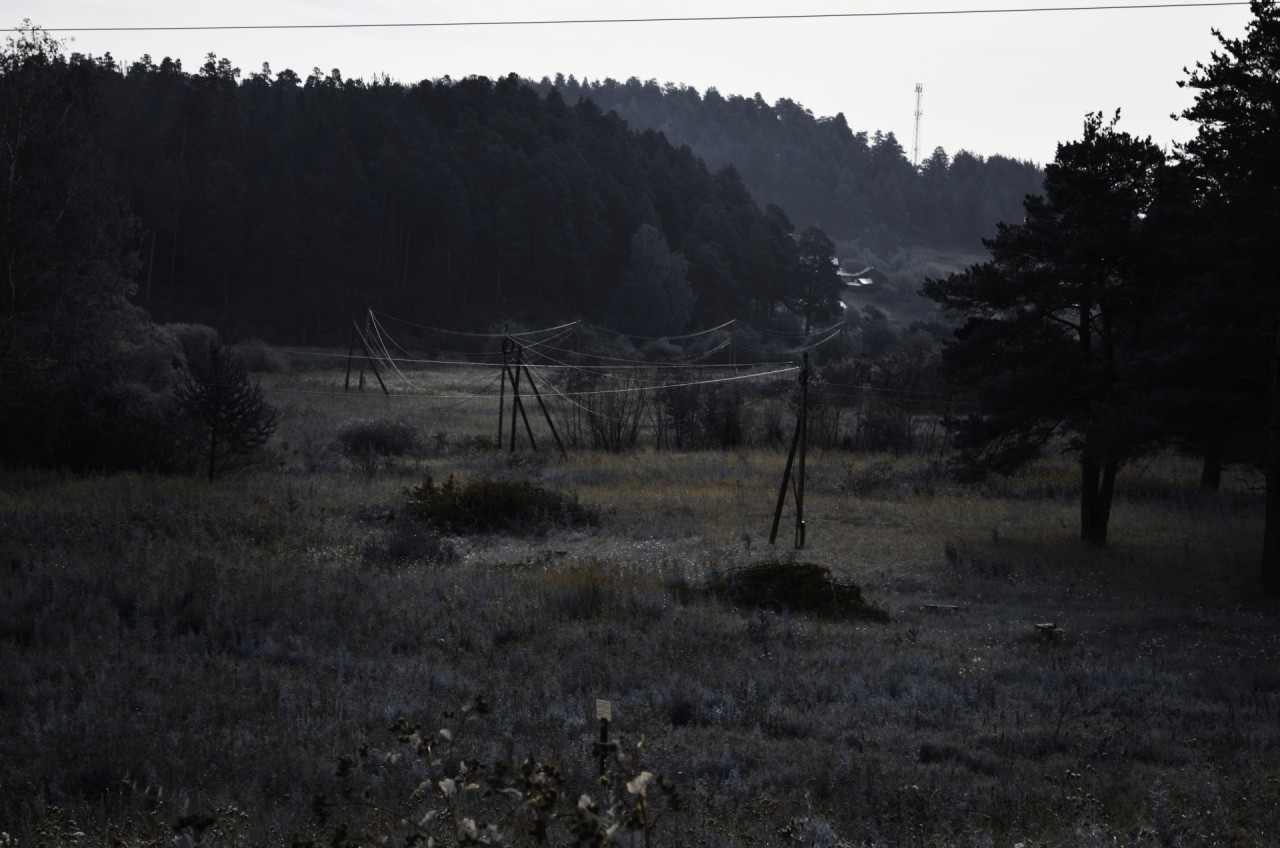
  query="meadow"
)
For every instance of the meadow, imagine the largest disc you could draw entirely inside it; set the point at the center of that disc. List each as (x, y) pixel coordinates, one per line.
(289, 655)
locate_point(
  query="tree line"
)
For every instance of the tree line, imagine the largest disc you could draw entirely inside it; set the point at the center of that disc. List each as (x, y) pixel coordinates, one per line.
(858, 186)
(274, 205)
(279, 206)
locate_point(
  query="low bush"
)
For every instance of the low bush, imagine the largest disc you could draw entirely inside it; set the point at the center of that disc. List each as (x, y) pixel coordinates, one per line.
(195, 341)
(490, 506)
(798, 587)
(258, 357)
(879, 431)
(379, 438)
(408, 541)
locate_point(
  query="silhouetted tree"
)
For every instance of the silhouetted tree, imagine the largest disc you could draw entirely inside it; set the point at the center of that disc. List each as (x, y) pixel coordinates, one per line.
(819, 282)
(233, 417)
(1053, 321)
(69, 338)
(655, 298)
(1236, 156)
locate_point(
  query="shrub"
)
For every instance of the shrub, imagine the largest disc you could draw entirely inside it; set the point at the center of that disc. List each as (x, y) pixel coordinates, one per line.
(968, 563)
(793, 586)
(880, 431)
(382, 437)
(196, 341)
(487, 506)
(258, 357)
(699, 417)
(722, 418)
(868, 480)
(114, 411)
(126, 425)
(408, 541)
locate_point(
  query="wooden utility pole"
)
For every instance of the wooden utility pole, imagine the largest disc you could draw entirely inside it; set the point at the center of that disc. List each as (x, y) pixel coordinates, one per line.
(512, 366)
(798, 445)
(513, 373)
(502, 390)
(351, 353)
(355, 332)
(1270, 565)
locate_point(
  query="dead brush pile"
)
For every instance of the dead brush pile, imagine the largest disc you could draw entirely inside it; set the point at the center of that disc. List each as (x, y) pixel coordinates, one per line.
(797, 587)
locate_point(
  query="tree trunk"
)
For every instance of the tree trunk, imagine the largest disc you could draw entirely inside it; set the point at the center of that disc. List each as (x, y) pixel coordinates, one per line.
(151, 264)
(1097, 491)
(1106, 494)
(1211, 473)
(1090, 474)
(173, 265)
(1270, 571)
(404, 266)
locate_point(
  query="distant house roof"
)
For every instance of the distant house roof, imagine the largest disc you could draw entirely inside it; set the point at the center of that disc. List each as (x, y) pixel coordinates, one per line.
(868, 276)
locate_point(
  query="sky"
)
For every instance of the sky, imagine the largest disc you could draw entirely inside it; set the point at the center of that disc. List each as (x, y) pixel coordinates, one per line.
(1012, 83)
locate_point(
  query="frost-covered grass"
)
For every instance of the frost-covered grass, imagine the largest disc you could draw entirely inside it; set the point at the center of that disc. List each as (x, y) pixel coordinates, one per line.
(170, 648)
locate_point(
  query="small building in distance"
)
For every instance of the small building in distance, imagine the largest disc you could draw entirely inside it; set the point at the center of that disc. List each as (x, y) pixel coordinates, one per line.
(868, 276)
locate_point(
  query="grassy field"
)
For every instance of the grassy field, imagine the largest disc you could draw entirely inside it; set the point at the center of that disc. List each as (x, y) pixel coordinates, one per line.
(194, 662)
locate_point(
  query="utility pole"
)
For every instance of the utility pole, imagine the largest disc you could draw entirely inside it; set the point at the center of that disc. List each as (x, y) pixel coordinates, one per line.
(512, 366)
(364, 346)
(799, 440)
(915, 145)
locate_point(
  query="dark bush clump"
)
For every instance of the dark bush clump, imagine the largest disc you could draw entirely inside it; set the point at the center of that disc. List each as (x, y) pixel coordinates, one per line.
(195, 341)
(408, 541)
(383, 437)
(798, 587)
(880, 432)
(258, 357)
(490, 506)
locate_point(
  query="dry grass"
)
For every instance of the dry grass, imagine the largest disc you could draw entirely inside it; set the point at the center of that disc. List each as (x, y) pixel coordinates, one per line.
(171, 648)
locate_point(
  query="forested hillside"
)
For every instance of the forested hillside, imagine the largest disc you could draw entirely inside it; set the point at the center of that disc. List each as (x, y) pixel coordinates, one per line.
(281, 207)
(275, 206)
(860, 188)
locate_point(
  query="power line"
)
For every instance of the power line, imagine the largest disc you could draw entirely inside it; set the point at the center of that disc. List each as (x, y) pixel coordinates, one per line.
(1110, 7)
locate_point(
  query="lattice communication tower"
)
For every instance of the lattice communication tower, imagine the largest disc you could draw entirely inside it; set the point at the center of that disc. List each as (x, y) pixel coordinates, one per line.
(915, 144)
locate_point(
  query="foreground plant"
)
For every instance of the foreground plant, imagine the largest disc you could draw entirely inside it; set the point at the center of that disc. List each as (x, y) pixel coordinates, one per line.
(422, 791)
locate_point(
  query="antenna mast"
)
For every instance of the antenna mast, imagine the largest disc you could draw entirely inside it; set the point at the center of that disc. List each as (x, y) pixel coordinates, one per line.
(915, 145)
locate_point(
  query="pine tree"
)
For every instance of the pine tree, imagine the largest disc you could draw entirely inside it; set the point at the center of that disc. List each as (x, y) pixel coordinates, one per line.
(1053, 321)
(229, 409)
(1236, 156)
(655, 298)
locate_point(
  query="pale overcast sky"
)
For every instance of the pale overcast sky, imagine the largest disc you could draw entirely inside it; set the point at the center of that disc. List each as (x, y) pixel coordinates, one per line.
(1013, 83)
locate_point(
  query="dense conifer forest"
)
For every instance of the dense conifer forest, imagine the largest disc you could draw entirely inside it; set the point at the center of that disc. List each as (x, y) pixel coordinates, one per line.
(267, 204)
(858, 186)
